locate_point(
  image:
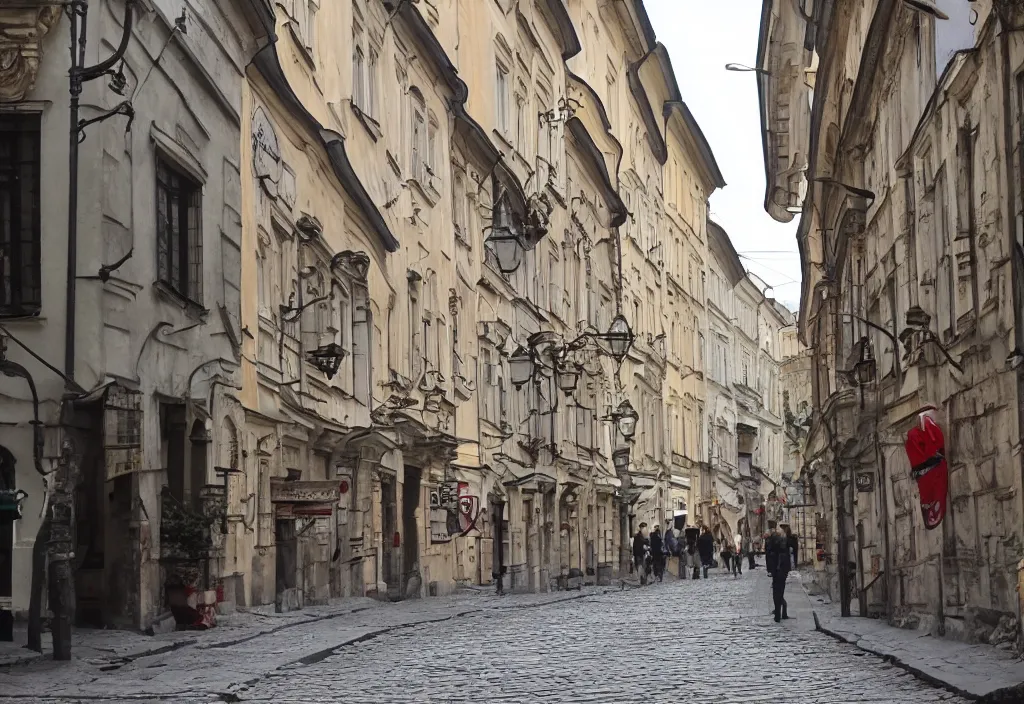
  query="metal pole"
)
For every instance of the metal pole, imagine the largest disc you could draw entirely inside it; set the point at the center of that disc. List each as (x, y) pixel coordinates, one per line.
(843, 551)
(78, 39)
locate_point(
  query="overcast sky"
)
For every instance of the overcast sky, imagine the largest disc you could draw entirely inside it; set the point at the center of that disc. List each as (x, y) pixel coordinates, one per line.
(702, 37)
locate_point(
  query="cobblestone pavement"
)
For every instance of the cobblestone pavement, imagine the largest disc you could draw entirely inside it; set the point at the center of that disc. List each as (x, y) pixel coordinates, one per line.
(709, 641)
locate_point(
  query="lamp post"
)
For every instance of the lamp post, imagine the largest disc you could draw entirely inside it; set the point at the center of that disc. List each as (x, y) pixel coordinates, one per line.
(620, 459)
(499, 523)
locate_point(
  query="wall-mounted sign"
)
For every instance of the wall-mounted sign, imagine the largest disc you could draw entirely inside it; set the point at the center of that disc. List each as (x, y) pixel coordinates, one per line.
(926, 450)
(298, 492)
(865, 481)
(266, 151)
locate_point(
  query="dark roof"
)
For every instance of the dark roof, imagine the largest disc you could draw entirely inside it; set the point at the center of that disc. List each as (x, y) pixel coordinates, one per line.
(567, 30)
(615, 204)
(721, 247)
(269, 65)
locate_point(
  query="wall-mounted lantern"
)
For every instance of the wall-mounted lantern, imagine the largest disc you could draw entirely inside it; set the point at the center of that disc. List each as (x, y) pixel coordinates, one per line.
(520, 365)
(506, 239)
(567, 376)
(327, 358)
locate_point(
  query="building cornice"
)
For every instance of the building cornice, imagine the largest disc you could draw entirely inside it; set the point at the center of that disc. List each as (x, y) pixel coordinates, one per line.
(589, 148)
(268, 63)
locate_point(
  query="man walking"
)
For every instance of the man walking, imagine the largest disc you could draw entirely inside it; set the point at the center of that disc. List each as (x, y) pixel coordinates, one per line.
(706, 548)
(780, 571)
(639, 549)
(748, 550)
(658, 553)
(793, 544)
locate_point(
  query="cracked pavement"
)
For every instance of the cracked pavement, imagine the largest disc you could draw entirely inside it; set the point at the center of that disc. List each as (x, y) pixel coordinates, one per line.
(706, 641)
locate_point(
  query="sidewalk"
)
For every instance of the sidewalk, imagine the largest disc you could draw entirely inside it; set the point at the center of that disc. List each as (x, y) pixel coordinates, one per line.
(247, 647)
(978, 672)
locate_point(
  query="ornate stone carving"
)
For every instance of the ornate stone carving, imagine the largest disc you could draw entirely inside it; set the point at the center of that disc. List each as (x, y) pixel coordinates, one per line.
(21, 48)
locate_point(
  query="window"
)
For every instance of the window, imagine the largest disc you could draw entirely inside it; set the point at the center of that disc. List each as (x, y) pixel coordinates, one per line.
(419, 136)
(430, 157)
(459, 208)
(613, 95)
(358, 73)
(501, 99)
(20, 290)
(521, 122)
(179, 232)
(371, 83)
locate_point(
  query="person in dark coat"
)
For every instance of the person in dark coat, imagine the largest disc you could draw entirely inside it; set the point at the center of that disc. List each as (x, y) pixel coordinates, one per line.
(793, 544)
(780, 571)
(671, 543)
(706, 548)
(770, 558)
(657, 553)
(639, 543)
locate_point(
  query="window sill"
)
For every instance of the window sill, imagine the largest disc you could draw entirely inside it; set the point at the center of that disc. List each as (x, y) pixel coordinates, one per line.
(503, 140)
(300, 45)
(191, 308)
(16, 317)
(369, 124)
(428, 191)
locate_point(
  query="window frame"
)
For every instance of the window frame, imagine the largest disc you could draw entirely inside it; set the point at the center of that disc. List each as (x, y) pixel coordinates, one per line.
(27, 301)
(189, 240)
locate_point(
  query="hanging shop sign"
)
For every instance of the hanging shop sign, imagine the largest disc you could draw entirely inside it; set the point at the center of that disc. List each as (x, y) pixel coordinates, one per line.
(865, 482)
(926, 450)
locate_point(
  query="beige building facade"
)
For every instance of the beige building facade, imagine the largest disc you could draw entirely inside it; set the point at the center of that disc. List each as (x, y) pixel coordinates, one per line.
(340, 384)
(907, 191)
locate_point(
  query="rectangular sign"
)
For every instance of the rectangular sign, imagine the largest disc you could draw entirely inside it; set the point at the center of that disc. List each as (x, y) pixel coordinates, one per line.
(865, 481)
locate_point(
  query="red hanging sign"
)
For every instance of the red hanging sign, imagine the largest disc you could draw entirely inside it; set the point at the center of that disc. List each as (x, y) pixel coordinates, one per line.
(926, 450)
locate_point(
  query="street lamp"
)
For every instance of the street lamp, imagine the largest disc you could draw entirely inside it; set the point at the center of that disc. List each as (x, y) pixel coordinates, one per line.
(866, 367)
(743, 68)
(567, 375)
(625, 418)
(620, 459)
(506, 240)
(853, 190)
(619, 338)
(520, 366)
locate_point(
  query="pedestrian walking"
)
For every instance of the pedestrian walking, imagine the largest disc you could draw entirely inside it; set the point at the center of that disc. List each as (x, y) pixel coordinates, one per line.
(671, 543)
(769, 554)
(748, 550)
(658, 553)
(639, 552)
(727, 554)
(780, 571)
(689, 564)
(737, 562)
(793, 544)
(706, 550)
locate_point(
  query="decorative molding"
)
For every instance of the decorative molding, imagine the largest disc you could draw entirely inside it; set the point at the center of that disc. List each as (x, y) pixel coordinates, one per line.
(21, 48)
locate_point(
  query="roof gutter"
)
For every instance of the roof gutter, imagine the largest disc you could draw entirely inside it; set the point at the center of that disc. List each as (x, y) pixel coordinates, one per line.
(268, 63)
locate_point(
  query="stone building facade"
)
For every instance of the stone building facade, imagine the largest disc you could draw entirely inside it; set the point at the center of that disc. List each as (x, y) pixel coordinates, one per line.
(899, 124)
(153, 356)
(739, 492)
(320, 394)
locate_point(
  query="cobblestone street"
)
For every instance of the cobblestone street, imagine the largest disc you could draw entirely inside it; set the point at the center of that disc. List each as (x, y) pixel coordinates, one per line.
(708, 641)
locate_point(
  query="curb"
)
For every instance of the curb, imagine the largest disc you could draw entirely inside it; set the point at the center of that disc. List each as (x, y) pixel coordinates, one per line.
(1006, 694)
